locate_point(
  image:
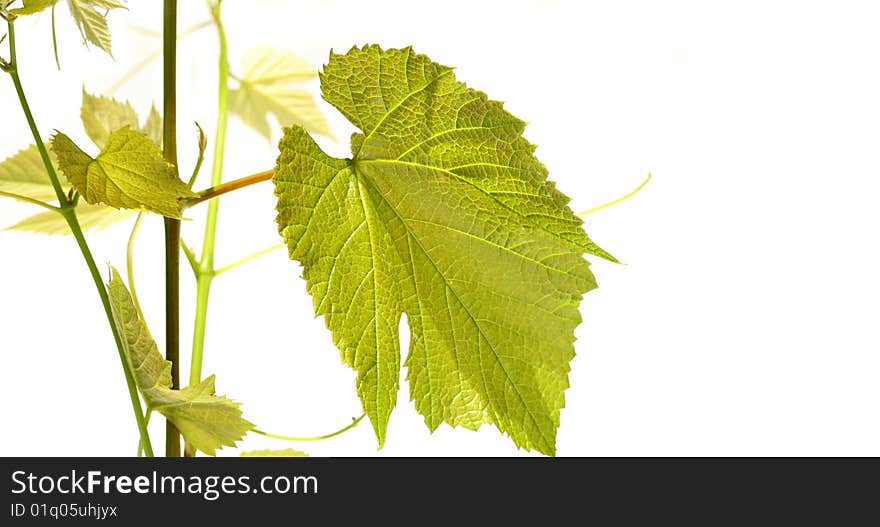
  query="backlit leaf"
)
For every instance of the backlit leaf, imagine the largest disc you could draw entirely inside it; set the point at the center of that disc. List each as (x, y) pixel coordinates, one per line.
(92, 218)
(205, 420)
(442, 213)
(129, 173)
(102, 115)
(266, 88)
(25, 174)
(30, 7)
(91, 19)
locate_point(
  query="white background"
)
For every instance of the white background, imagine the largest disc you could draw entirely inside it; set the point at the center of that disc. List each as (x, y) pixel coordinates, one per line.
(744, 323)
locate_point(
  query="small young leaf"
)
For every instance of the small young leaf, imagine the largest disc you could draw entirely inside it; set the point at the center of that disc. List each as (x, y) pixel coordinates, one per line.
(266, 88)
(92, 23)
(153, 126)
(443, 213)
(128, 173)
(287, 452)
(102, 115)
(207, 421)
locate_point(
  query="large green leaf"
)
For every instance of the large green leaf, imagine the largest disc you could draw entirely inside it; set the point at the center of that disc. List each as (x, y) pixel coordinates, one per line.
(205, 420)
(266, 87)
(444, 214)
(129, 173)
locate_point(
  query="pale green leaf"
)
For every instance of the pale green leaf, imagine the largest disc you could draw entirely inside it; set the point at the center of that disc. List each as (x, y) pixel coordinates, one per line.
(92, 218)
(91, 19)
(265, 88)
(29, 7)
(102, 115)
(205, 420)
(128, 173)
(444, 214)
(287, 452)
(153, 126)
(24, 173)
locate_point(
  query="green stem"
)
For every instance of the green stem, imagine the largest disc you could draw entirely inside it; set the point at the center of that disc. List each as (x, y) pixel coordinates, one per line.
(32, 201)
(140, 443)
(613, 202)
(129, 263)
(353, 424)
(205, 273)
(247, 259)
(55, 40)
(205, 268)
(68, 210)
(172, 226)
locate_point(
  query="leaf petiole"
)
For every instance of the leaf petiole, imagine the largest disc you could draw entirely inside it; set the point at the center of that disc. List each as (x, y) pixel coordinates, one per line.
(224, 188)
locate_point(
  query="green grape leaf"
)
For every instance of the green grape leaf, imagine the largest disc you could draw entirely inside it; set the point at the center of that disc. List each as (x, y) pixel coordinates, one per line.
(102, 115)
(129, 173)
(91, 19)
(207, 421)
(29, 7)
(442, 213)
(265, 88)
(25, 174)
(92, 218)
(287, 452)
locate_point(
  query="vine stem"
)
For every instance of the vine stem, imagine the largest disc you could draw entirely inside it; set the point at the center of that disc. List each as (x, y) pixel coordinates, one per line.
(354, 423)
(68, 210)
(172, 226)
(205, 268)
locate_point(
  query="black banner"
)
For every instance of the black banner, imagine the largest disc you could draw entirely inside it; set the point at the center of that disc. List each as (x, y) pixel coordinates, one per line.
(227, 491)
